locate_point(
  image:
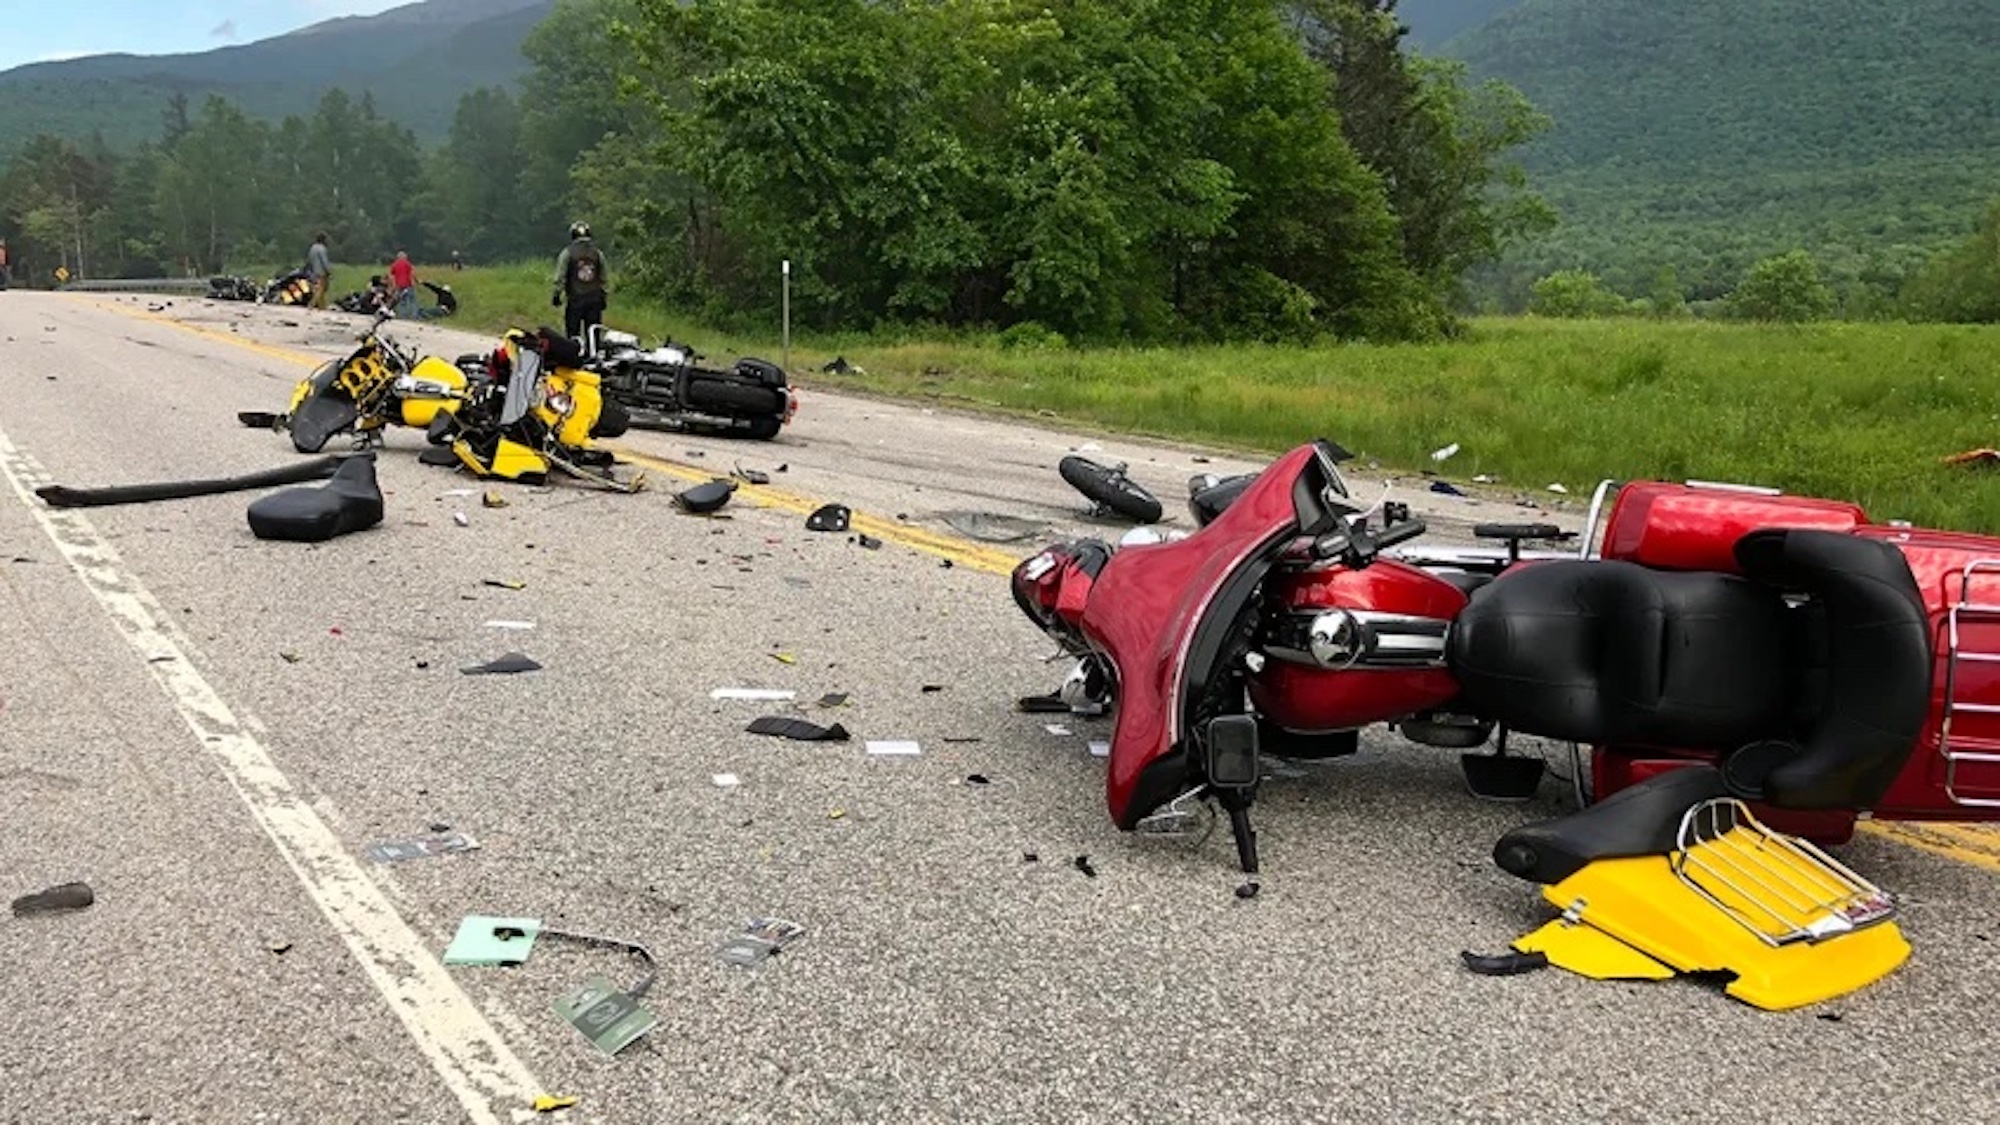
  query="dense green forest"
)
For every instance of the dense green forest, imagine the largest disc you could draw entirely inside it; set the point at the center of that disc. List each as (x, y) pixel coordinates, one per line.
(1101, 170)
(1705, 136)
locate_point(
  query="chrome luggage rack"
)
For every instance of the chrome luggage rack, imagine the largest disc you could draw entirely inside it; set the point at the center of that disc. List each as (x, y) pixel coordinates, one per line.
(1967, 610)
(1779, 887)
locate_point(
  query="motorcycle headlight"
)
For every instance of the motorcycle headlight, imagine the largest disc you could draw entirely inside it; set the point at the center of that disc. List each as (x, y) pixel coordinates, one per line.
(561, 404)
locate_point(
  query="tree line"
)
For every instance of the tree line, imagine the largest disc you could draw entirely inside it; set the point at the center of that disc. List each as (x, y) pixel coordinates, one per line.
(1093, 169)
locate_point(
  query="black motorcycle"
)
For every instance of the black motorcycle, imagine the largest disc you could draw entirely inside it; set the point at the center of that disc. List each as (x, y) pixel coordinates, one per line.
(668, 388)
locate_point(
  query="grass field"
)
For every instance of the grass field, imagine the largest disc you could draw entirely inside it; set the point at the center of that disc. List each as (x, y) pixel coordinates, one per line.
(1855, 411)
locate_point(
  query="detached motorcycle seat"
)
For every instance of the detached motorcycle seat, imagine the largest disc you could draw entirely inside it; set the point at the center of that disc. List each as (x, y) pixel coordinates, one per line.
(350, 501)
(1615, 652)
(318, 419)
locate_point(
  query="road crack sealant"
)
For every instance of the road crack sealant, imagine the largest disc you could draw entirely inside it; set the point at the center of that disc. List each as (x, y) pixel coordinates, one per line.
(482, 1072)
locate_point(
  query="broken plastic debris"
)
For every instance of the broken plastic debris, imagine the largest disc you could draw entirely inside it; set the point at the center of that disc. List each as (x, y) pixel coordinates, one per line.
(1050, 704)
(1056, 728)
(703, 499)
(65, 896)
(1100, 748)
(869, 541)
(784, 658)
(486, 940)
(893, 748)
(1445, 454)
(1446, 488)
(760, 695)
(830, 517)
(798, 730)
(1484, 478)
(493, 499)
(1082, 863)
(503, 665)
(504, 624)
(610, 1019)
(1987, 457)
(421, 847)
(833, 699)
(546, 1103)
(752, 476)
(727, 781)
(458, 492)
(1557, 488)
(505, 583)
(461, 519)
(761, 940)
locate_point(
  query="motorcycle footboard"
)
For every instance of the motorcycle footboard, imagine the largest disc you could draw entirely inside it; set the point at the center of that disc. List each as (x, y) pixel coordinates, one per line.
(1787, 925)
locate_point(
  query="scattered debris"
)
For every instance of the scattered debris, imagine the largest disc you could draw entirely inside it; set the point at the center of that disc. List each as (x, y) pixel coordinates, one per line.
(1100, 748)
(869, 541)
(840, 366)
(461, 519)
(1987, 458)
(279, 947)
(505, 583)
(505, 665)
(1082, 863)
(928, 689)
(830, 517)
(1446, 488)
(751, 476)
(798, 730)
(610, 1019)
(1503, 964)
(759, 695)
(833, 699)
(1445, 454)
(1484, 478)
(350, 501)
(1030, 857)
(784, 658)
(458, 492)
(504, 624)
(65, 896)
(484, 940)
(893, 748)
(422, 847)
(545, 1103)
(1248, 888)
(289, 657)
(978, 779)
(726, 781)
(1557, 488)
(493, 499)
(1057, 728)
(761, 940)
(1050, 704)
(703, 499)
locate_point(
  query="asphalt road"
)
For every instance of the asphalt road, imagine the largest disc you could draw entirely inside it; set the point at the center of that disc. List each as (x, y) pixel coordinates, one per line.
(212, 730)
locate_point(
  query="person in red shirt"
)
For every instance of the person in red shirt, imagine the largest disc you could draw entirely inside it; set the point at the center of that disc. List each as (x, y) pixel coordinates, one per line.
(403, 285)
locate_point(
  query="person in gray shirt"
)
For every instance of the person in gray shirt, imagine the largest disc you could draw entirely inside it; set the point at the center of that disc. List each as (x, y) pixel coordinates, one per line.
(319, 268)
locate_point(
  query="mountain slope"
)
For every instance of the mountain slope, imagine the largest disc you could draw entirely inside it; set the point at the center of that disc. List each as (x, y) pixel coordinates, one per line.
(416, 60)
(1706, 133)
(1434, 23)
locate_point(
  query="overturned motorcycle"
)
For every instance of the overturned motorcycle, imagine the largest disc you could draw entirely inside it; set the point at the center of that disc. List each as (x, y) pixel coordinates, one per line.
(378, 384)
(534, 408)
(669, 388)
(1752, 672)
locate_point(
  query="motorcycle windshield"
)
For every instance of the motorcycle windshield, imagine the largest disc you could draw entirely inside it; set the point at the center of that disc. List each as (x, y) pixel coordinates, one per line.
(1165, 614)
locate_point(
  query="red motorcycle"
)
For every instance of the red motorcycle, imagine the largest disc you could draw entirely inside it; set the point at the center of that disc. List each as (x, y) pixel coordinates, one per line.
(1731, 656)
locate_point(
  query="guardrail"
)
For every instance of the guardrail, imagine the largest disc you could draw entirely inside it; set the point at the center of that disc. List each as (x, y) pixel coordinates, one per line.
(175, 285)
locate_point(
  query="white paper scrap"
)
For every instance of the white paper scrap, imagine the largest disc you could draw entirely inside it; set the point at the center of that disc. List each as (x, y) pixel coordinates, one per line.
(727, 781)
(1100, 748)
(510, 624)
(1056, 728)
(762, 695)
(893, 747)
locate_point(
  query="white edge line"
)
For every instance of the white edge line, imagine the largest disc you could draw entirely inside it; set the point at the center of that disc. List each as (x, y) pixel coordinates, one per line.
(481, 1071)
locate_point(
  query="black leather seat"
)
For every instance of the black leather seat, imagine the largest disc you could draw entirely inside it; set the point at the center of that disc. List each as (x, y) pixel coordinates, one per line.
(1614, 652)
(1851, 719)
(350, 501)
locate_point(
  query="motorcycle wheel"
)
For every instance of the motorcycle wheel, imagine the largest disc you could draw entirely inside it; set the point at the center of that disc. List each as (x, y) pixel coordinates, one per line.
(612, 420)
(763, 429)
(1111, 488)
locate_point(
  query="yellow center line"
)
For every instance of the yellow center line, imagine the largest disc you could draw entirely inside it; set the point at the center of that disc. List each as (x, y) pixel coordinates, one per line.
(959, 552)
(1976, 846)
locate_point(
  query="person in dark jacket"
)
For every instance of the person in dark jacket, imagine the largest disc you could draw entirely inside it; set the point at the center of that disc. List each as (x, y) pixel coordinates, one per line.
(579, 280)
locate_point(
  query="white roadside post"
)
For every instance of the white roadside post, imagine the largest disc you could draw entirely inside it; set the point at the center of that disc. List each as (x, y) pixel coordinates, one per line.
(785, 361)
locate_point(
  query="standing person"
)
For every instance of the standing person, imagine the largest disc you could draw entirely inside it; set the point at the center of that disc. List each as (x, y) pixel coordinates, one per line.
(580, 278)
(457, 261)
(319, 269)
(6, 266)
(403, 285)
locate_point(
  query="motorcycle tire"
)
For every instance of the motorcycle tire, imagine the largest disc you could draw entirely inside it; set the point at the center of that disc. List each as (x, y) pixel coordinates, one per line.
(1112, 489)
(729, 397)
(612, 420)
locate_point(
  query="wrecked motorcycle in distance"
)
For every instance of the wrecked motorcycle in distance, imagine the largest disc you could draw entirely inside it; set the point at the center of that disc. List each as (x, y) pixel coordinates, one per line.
(377, 384)
(1732, 657)
(668, 388)
(531, 408)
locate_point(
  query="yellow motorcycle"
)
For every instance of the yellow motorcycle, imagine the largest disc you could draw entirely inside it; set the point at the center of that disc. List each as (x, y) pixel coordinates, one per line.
(535, 409)
(377, 384)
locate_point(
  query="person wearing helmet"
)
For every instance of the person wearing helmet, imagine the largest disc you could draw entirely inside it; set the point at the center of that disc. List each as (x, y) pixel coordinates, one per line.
(579, 280)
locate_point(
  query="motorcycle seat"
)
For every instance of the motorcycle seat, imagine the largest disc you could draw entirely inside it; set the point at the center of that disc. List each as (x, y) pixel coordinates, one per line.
(1612, 652)
(1642, 819)
(350, 501)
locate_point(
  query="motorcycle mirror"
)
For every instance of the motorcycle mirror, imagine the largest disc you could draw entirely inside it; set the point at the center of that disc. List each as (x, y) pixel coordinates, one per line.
(1231, 744)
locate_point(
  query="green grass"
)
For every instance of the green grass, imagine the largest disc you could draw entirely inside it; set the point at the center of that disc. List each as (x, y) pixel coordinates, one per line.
(1863, 412)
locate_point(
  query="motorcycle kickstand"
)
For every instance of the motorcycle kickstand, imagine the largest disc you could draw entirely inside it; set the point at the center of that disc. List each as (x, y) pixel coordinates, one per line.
(1237, 804)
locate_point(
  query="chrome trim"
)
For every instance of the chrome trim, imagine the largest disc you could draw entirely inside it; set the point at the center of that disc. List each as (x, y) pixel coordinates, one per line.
(1386, 640)
(1588, 547)
(1729, 486)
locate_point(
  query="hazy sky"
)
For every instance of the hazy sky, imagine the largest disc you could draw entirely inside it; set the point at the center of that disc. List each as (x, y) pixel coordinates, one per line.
(66, 28)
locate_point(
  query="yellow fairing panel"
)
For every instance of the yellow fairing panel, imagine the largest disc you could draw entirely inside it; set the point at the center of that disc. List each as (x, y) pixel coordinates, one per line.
(588, 399)
(510, 462)
(1642, 904)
